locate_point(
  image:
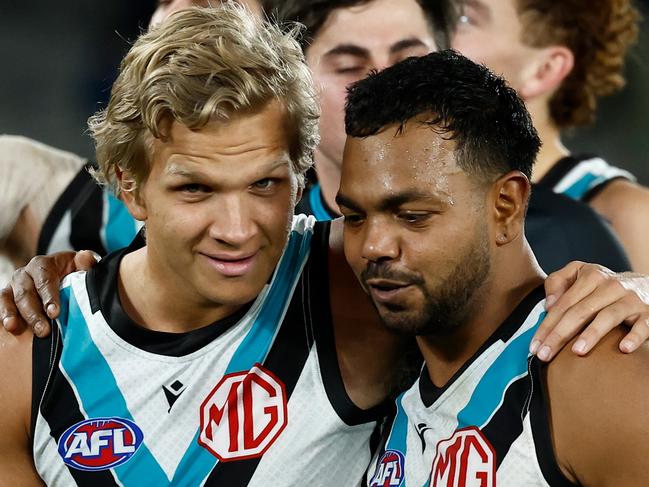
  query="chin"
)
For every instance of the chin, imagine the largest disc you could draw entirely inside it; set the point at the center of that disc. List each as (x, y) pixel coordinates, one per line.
(403, 323)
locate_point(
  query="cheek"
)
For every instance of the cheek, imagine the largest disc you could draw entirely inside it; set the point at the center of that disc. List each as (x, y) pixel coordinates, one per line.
(179, 222)
(352, 244)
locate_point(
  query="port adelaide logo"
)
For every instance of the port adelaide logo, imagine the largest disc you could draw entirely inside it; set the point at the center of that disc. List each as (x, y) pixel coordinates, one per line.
(100, 443)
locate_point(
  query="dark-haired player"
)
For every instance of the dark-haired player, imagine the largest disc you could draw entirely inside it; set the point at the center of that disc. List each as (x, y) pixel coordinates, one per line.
(435, 234)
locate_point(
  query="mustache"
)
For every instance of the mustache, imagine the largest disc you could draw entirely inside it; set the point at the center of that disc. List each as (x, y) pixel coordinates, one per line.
(383, 270)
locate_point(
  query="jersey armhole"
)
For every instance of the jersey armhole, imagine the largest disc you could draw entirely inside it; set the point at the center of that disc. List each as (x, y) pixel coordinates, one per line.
(593, 192)
(540, 421)
(64, 203)
(45, 355)
(320, 311)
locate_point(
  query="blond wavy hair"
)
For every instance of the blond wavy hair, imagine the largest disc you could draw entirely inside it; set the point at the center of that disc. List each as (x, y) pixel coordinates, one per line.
(203, 65)
(599, 33)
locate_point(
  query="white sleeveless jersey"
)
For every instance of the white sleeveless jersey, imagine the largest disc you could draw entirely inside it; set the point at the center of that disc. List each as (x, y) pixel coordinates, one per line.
(582, 177)
(256, 399)
(487, 427)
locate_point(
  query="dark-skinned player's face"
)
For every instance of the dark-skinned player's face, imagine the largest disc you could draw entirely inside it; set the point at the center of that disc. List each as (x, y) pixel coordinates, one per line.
(416, 232)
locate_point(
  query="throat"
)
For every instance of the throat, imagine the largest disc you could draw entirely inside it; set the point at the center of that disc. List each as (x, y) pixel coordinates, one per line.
(158, 308)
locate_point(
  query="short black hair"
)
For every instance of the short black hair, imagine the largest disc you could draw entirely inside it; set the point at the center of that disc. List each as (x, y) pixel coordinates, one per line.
(440, 14)
(466, 103)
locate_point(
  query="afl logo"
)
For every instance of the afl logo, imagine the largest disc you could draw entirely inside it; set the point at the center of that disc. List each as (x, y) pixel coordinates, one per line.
(389, 471)
(100, 443)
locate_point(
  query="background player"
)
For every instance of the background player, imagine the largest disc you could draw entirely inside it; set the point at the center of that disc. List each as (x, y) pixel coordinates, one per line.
(561, 72)
(438, 243)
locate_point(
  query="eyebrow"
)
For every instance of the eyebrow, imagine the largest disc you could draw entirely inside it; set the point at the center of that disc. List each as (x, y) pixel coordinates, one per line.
(390, 203)
(178, 170)
(406, 44)
(348, 49)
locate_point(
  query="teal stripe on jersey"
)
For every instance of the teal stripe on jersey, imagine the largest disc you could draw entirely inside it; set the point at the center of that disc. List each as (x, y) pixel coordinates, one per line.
(99, 394)
(399, 434)
(490, 391)
(197, 463)
(580, 187)
(119, 228)
(315, 201)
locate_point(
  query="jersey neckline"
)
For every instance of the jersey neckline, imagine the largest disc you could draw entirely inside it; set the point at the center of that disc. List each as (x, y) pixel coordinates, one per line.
(102, 286)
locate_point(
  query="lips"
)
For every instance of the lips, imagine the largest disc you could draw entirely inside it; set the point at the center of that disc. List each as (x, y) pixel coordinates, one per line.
(386, 290)
(231, 265)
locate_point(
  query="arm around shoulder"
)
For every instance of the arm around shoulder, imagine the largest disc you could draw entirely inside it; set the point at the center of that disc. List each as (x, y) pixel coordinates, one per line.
(598, 410)
(16, 461)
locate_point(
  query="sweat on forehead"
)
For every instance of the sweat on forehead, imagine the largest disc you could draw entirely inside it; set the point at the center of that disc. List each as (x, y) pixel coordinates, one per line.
(466, 102)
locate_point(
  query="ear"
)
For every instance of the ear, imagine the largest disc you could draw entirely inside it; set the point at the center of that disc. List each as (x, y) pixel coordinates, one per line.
(131, 195)
(510, 195)
(547, 71)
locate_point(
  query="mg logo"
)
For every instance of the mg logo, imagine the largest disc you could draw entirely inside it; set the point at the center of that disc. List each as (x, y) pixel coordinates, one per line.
(466, 459)
(243, 415)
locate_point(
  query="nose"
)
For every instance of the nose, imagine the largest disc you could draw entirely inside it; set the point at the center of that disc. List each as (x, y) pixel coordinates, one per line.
(382, 62)
(379, 242)
(233, 223)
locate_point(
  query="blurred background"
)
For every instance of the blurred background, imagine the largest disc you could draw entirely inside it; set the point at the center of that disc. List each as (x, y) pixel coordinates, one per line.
(60, 58)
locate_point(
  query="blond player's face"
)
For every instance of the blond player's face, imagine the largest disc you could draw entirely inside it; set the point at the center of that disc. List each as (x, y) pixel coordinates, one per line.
(218, 205)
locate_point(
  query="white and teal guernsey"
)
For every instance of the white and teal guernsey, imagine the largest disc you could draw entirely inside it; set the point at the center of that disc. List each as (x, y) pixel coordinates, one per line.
(256, 399)
(87, 217)
(487, 427)
(582, 177)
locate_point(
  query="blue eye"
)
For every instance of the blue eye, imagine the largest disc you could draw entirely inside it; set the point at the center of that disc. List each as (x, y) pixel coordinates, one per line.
(265, 184)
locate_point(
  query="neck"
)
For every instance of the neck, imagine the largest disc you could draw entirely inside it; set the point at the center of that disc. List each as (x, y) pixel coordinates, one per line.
(488, 308)
(329, 178)
(552, 149)
(159, 307)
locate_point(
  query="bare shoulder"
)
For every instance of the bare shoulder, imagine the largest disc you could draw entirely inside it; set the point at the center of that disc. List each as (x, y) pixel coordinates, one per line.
(598, 411)
(620, 196)
(625, 205)
(16, 464)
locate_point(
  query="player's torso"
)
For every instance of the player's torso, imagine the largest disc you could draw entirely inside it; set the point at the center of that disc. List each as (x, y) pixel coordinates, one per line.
(260, 402)
(487, 427)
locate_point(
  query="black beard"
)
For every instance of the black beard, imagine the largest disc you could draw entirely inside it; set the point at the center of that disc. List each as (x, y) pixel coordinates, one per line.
(443, 313)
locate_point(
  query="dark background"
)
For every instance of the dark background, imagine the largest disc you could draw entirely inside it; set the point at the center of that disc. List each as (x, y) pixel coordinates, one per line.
(60, 58)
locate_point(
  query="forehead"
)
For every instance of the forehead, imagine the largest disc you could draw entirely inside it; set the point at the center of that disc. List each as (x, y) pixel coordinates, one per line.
(417, 158)
(374, 24)
(258, 137)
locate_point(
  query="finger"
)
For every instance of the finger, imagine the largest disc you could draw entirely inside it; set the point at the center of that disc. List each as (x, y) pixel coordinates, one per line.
(558, 282)
(637, 336)
(9, 316)
(28, 303)
(605, 320)
(85, 260)
(600, 312)
(47, 273)
(589, 277)
(581, 286)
